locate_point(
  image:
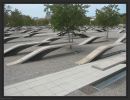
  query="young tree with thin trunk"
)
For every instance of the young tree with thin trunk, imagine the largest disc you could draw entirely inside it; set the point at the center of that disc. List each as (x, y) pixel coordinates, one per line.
(108, 16)
(67, 18)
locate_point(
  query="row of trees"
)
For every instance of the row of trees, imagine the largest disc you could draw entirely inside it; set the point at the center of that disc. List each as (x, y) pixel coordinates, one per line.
(14, 18)
(104, 14)
(67, 18)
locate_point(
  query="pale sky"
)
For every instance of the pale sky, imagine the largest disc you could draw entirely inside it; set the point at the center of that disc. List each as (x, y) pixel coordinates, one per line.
(37, 10)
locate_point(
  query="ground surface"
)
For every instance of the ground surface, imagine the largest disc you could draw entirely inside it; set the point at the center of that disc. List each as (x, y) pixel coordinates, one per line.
(59, 60)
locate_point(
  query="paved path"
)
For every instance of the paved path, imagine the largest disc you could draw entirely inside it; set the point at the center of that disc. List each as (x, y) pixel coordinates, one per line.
(61, 83)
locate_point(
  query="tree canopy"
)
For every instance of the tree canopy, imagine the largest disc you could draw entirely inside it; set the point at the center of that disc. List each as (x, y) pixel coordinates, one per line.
(123, 18)
(108, 16)
(67, 17)
(14, 18)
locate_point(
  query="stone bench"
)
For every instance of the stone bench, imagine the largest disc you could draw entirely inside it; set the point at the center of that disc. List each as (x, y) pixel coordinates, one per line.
(38, 53)
(89, 40)
(96, 52)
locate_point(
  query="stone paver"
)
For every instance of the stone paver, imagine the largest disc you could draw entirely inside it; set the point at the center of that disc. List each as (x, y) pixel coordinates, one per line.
(61, 83)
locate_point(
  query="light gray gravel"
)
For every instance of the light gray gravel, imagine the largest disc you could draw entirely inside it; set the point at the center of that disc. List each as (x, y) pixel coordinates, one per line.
(58, 60)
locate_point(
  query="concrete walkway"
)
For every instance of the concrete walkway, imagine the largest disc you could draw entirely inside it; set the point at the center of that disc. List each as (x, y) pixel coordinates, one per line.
(61, 83)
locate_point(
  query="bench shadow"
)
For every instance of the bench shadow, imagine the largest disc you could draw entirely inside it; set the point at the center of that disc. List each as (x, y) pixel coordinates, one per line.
(52, 56)
(19, 41)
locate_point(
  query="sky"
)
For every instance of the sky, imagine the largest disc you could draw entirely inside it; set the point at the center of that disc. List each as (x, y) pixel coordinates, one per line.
(37, 10)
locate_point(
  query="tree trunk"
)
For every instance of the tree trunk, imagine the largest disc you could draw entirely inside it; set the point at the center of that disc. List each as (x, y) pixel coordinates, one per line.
(107, 34)
(69, 39)
(72, 37)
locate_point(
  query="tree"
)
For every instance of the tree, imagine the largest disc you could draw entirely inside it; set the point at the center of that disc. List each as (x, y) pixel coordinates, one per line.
(123, 18)
(16, 18)
(67, 18)
(108, 16)
(27, 20)
(42, 21)
(7, 10)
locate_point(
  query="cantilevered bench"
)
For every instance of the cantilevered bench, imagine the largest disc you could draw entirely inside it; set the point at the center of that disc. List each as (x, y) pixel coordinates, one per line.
(15, 49)
(121, 39)
(6, 39)
(51, 39)
(30, 34)
(38, 53)
(81, 35)
(63, 82)
(124, 41)
(95, 53)
(7, 34)
(112, 51)
(23, 31)
(89, 40)
(100, 30)
(121, 31)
